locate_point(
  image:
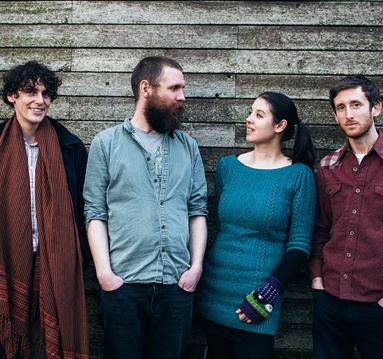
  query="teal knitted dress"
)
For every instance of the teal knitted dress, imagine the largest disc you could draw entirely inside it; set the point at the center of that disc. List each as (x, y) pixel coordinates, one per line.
(262, 214)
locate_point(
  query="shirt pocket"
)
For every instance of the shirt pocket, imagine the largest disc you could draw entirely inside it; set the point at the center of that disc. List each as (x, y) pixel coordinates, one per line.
(376, 204)
(334, 192)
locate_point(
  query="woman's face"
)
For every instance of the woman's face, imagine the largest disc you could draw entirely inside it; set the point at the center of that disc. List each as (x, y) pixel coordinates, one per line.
(260, 126)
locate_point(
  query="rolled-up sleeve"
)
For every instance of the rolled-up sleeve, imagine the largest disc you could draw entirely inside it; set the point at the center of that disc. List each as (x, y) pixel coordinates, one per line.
(96, 183)
(197, 205)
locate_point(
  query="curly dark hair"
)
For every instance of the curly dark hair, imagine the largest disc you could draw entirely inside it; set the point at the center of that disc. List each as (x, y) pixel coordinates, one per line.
(27, 76)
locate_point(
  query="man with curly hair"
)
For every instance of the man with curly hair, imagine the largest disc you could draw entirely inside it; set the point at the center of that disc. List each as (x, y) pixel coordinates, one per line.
(42, 232)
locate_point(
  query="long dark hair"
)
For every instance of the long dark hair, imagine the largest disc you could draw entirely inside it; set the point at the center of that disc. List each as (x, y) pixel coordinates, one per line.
(283, 108)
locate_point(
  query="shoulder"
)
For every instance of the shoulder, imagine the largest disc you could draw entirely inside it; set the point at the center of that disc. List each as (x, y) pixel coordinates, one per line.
(303, 173)
(226, 160)
(109, 134)
(184, 138)
(331, 159)
(65, 136)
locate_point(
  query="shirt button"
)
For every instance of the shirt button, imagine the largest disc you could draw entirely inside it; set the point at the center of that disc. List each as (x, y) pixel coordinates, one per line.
(163, 226)
(355, 169)
(351, 233)
(163, 249)
(345, 276)
(161, 203)
(357, 190)
(348, 254)
(148, 158)
(354, 211)
(155, 180)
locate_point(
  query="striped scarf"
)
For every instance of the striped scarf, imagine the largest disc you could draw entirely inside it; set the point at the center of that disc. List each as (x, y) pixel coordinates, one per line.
(57, 292)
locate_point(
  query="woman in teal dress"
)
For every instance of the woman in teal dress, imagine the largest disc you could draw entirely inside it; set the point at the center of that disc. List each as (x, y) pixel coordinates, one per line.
(266, 212)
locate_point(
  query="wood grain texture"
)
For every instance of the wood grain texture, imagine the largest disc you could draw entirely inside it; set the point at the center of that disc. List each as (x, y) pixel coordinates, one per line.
(336, 38)
(119, 36)
(227, 12)
(367, 13)
(56, 59)
(118, 84)
(235, 61)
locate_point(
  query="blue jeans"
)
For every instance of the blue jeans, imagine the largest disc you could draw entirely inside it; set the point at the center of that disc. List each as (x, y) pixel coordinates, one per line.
(146, 321)
(340, 325)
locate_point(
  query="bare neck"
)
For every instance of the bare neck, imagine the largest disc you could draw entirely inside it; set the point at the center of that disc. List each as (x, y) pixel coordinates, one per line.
(365, 143)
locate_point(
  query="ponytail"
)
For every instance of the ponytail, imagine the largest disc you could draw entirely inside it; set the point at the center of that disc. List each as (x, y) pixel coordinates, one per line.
(282, 107)
(303, 150)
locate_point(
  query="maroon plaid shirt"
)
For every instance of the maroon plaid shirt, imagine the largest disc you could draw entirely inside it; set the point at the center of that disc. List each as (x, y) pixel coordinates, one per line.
(348, 238)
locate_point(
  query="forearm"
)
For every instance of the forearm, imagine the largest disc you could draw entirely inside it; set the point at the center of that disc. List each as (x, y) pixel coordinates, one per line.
(197, 240)
(197, 244)
(98, 243)
(289, 265)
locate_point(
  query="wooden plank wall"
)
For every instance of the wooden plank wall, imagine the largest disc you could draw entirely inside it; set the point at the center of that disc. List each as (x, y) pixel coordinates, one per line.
(230, 51)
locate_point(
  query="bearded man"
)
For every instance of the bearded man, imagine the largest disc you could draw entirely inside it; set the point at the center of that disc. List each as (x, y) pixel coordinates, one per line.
(145, 206)
(42, 224)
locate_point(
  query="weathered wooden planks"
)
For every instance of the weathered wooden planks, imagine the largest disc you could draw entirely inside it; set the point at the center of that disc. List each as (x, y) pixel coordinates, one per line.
(192, 36)
(119, 36)
(367, 13)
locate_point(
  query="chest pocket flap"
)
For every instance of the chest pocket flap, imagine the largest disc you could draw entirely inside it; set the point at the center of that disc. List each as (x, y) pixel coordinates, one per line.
(333, 188)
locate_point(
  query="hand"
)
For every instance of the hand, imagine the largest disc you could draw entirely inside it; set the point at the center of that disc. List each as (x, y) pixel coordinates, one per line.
(380, 302)
(242, 316)
(317, 283)
(189, 279)
(110, 281)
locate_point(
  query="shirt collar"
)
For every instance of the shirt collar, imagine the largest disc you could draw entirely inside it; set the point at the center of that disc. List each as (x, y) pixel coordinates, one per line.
(377, 147)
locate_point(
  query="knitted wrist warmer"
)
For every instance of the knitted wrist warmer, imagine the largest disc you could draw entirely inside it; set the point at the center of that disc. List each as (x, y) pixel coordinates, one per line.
(258, 304)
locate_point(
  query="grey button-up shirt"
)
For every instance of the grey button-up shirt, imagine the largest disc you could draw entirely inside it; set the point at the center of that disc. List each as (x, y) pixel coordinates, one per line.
(148, 228)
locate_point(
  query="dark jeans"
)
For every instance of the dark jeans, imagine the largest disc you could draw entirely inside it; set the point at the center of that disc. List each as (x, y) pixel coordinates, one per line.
(340, 325)
(146, 321)
(230, 343)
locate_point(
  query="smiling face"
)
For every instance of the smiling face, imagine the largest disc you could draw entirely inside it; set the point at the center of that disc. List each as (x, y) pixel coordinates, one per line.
(260, 126)
(31, 105)
(354, 113)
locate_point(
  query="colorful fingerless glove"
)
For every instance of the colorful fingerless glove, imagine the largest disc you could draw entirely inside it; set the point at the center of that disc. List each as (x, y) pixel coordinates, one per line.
(258, 304)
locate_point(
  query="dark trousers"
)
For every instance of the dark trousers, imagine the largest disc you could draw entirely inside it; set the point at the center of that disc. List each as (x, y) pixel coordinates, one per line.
(146, 321)
(230, 343)
(340, 325)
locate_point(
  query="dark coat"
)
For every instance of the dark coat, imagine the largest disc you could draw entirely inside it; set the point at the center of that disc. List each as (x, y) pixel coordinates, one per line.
(75, 157)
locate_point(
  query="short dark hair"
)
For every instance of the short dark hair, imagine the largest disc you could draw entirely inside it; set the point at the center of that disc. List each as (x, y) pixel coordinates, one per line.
(369, 88)
(150, 69)
(28, 75)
